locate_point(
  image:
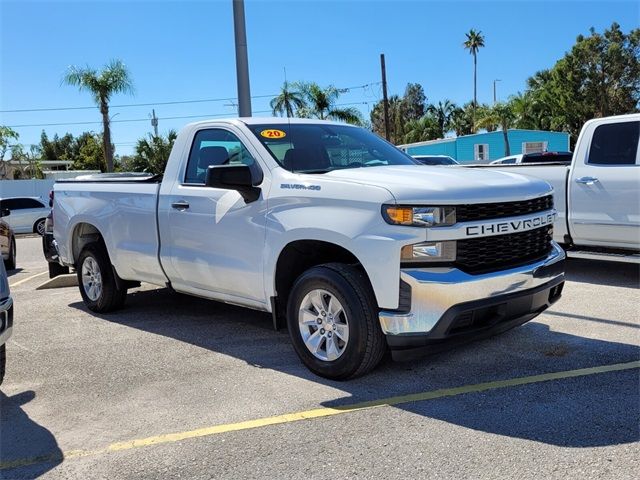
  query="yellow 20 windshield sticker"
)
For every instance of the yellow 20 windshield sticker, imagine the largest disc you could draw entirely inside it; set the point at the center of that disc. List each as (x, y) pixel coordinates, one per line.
(273, 133)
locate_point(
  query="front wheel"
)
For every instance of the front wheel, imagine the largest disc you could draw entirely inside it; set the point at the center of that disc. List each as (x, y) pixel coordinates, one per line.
(332, 316)
(96, 280)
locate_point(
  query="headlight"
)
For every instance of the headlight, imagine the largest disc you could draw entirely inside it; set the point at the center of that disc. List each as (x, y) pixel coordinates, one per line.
(429, 252)
(419, 216)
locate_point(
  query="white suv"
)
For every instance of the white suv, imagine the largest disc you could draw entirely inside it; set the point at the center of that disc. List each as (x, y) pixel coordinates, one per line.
(27, 214)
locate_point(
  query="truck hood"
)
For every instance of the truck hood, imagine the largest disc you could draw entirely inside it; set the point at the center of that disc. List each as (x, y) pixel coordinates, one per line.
(416, 184)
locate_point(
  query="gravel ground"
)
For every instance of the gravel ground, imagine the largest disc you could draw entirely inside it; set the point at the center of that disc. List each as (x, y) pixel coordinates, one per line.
(169, 363)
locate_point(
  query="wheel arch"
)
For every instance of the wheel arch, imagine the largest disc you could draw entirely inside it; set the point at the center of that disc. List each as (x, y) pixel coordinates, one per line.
(298, 256)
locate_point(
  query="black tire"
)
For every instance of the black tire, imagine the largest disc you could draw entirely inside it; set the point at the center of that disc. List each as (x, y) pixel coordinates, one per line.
(38, 227)
(3, 361)
(56, 269)
(110, 297)
(10, 263)
(366, 343)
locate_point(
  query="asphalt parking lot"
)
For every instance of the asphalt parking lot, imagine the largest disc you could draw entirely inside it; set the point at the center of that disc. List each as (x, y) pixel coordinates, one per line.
(174, 386)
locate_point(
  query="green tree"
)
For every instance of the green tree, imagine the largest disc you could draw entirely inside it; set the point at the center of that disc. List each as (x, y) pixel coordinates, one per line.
(114, 78)
(289, 100)
(473, 43)
(151, 154)
(321, 103)
(524, 108)
(28, 162)
(7, 135)
(599, 76)
(58, 148)
(501, 115)
(413, 102)
(88, 152)
(442, 112)
(402, 110)
(461, 120)
(423, 129)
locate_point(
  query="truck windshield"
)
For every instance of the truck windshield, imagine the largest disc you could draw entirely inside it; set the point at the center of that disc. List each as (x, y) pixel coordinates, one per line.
(320, 148)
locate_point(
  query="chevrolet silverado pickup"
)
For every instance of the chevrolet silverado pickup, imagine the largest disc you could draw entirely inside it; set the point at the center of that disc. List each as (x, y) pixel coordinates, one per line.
(598, 195)
(342, 237)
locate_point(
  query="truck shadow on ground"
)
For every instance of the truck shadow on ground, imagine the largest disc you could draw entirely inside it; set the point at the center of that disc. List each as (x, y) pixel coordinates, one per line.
(23, 438)
(595, 410)
(614, 274)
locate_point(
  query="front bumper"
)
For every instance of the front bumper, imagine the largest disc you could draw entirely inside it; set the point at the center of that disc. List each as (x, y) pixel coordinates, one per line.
(6, 319)
(447, 303)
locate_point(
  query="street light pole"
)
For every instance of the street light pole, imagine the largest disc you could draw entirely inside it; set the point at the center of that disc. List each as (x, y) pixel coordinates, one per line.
(242, 60)
(494, 90)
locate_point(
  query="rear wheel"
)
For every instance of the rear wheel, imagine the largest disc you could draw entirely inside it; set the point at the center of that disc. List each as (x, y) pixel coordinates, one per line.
(332, 318)
(10, 262)
(96, 280)
(38, 227)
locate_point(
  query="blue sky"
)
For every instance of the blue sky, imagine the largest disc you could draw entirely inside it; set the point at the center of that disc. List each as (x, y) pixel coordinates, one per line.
(184, 51)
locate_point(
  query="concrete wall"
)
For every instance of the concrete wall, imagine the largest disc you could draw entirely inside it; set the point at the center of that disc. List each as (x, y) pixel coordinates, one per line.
(26, 188)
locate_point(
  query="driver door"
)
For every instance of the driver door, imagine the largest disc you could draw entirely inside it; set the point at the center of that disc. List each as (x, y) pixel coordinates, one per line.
(212, 240)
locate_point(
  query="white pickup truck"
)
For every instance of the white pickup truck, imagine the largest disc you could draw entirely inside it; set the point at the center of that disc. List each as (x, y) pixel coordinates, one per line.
(598, 195)
(337, 233)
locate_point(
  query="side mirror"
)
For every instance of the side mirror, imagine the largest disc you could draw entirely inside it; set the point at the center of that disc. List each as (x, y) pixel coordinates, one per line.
(234, 177)
(5, 212)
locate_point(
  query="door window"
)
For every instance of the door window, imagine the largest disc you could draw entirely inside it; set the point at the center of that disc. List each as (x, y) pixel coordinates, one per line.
(615, 144)
(214, 147)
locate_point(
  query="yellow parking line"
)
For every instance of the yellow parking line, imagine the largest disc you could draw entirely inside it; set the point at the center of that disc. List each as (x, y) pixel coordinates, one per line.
(323, 412)
(24, 280)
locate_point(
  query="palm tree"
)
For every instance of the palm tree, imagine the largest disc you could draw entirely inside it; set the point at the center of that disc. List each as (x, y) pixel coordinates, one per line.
(425, 128)
(474, 42)
(321, 103)
(443, 113)
(502, 115)
(288, 101)
(114, 78)
(152, 153)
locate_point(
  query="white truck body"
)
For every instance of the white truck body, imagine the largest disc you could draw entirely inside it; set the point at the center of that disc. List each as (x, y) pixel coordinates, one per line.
(214, 243)
(598, 196)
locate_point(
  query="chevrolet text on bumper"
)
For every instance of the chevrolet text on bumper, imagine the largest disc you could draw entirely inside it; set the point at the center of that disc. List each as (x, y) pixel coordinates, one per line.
(343, 238)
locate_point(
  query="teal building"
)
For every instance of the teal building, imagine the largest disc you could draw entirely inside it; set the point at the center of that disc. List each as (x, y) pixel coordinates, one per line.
(488, 146)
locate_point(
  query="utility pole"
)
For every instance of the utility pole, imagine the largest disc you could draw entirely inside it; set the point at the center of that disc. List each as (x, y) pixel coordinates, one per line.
(495, 98)
(154, 122)
(387, 133)
(242, 60)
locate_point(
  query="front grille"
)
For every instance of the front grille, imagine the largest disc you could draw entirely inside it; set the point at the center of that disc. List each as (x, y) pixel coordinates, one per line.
(482, 211)
(487, 254)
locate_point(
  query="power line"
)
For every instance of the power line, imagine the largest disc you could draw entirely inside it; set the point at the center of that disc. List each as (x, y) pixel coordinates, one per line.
(151, 104)
(130, 120)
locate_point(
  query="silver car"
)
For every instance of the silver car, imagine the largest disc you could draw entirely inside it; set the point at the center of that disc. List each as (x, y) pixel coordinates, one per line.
(27, 214)
(6, 318)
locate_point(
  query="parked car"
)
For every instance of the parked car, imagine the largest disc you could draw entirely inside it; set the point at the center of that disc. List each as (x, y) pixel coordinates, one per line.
(538, 157)
(6, 318)
(27, 214)
(331, 229)
(7, 241)
(598, 194)
(435, 160)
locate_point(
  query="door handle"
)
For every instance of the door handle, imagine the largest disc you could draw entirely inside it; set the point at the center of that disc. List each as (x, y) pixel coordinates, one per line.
(587, 180)
(181, 205)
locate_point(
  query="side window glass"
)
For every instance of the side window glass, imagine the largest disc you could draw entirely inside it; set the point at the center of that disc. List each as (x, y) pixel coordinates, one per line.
(214, 147)
(31, 203)
(11, 204)
(614, 144)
